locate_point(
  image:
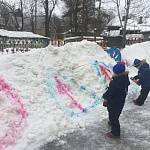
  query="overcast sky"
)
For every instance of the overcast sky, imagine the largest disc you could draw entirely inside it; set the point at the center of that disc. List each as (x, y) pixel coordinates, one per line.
(60, 7)
(107, 4)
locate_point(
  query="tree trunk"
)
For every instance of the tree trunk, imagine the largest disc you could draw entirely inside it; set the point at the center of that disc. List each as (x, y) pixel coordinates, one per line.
(124, 26)
(22, 19)
(46, 19)
(32, 24)
(125, 22)
(75, 21)
(35, 21)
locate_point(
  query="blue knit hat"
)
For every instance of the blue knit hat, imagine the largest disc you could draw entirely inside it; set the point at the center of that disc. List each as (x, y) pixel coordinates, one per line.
(136, 62)
(119, 68)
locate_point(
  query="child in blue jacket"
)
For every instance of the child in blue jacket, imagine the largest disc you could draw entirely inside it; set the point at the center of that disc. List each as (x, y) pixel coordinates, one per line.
(114, 98)
(143, 79)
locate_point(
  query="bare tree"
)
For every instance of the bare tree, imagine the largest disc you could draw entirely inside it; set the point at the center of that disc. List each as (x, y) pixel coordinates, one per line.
(49, 6)
(22, 19)
(10, 14)
(125, 17)
(136, 8)
(5, 16)
(33, 14)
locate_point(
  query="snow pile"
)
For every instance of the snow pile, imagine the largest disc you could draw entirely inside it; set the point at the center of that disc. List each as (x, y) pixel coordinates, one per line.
(140, 51)
(27, 73)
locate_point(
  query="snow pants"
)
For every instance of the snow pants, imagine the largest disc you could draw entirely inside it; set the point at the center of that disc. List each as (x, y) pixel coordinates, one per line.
(114, 111)
(143, 95)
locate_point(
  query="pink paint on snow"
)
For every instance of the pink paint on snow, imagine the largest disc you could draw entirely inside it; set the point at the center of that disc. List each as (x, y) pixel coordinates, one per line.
(15, 126)
(65, 89)
(106, 72)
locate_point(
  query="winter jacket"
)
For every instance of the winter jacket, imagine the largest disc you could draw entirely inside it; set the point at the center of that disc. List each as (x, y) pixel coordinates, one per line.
(144, 75)
(117, 90)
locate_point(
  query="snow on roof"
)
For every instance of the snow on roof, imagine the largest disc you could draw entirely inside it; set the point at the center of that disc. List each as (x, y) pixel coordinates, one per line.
(147, 21)
(129, 36)
(72, 38)
(114, 22)
(144, 28)
(114, 33)
(19, 34)
(133, 28)
(132, 24)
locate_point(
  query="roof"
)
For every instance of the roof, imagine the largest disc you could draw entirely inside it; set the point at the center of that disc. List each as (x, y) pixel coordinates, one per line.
(129, 36)
(145, 28)
(132, 24)
(19, 34)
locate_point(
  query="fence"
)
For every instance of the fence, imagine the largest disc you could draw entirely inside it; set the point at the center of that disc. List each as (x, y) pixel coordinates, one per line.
(98, 40)
(131, 41)
(13, 45)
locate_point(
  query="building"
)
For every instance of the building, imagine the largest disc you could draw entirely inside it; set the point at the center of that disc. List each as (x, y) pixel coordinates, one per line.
(21, 41)
(134, 28)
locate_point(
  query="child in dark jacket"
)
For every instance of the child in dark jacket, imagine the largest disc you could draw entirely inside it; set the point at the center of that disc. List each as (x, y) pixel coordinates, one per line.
(114, 98)
(143, 79)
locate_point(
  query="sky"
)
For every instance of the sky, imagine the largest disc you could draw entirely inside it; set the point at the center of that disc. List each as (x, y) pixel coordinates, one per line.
(60, 7)
(140, 8)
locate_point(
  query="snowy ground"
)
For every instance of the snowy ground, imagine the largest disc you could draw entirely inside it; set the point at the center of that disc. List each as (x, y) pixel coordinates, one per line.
(135, 133)
(47, 121)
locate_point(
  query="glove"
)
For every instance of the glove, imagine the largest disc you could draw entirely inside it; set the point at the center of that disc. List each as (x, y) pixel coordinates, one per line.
(105, 103)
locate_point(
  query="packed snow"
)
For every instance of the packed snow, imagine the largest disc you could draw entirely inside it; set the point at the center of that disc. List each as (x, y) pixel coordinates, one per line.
(140, 51)
(27, 73)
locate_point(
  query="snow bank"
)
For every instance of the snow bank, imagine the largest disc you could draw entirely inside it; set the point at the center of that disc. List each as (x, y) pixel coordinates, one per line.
(27, 73)
(139, 50)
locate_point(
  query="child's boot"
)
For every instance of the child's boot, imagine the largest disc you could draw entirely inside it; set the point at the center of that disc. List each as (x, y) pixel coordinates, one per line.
(110, 135)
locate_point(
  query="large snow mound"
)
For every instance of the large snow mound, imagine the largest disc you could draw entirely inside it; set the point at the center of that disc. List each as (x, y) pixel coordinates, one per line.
(27, 73)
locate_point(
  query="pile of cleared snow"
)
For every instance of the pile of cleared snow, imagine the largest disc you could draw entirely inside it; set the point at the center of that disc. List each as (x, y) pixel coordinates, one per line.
(139, 50)
(27, 73)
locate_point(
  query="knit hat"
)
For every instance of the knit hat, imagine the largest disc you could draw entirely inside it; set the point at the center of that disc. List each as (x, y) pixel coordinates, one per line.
(136, 62)
(119, 68)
